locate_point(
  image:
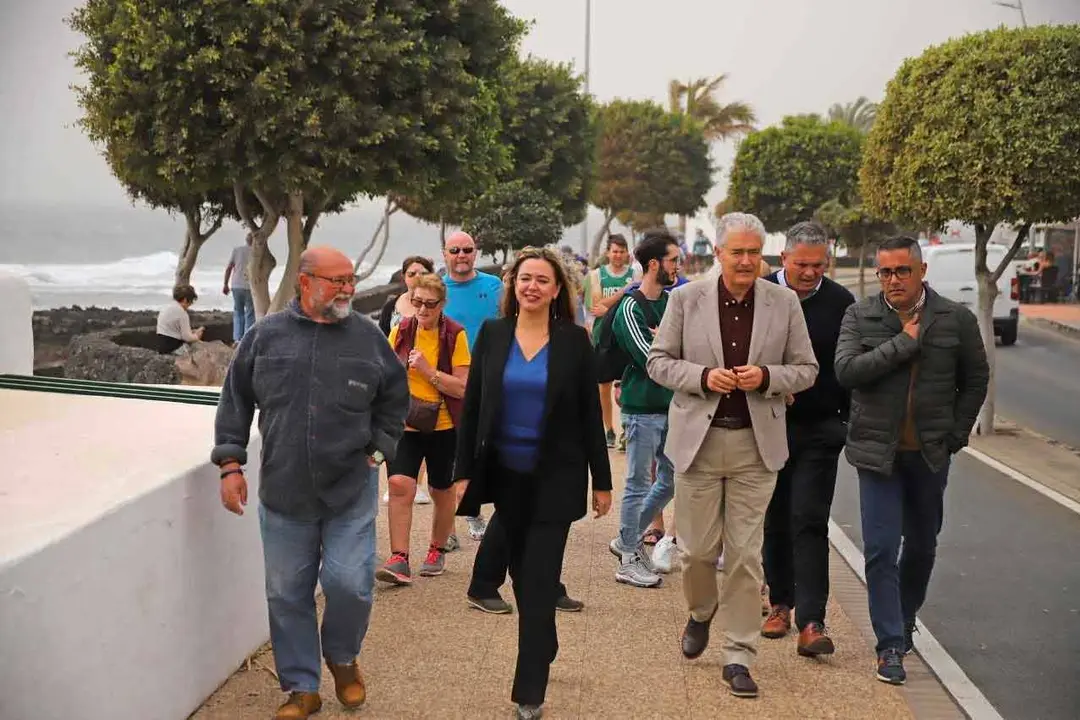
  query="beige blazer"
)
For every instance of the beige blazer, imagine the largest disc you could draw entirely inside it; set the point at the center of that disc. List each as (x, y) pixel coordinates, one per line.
(688, 341)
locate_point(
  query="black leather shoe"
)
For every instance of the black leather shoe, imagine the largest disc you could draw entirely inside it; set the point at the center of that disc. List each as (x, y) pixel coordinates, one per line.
(695, 636)
(738, 679)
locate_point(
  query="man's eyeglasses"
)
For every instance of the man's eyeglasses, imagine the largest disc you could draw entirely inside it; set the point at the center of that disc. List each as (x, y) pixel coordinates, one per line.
(429, 304)
(338, 282)
(461, 250)
(900, 273)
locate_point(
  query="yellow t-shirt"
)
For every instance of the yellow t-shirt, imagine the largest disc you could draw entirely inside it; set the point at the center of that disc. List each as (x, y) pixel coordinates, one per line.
(427, 342)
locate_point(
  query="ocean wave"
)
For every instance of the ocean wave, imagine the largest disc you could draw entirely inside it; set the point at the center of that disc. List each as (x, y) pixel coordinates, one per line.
(144, 276)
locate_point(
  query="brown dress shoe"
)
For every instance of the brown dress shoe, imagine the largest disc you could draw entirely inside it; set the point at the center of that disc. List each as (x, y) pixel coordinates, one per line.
(299, 706)
(813, 641)
(348, 684)
(778, 624)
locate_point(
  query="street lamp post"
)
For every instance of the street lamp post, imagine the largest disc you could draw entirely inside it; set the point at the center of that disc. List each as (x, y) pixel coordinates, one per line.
(1018, 6)
(588, 38)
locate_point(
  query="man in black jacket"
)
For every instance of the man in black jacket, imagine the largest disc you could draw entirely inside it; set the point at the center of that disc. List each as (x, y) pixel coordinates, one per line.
(796, 549)
(916, 367)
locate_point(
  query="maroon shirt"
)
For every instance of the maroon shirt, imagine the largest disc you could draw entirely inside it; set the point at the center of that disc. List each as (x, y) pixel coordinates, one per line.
(736, 324)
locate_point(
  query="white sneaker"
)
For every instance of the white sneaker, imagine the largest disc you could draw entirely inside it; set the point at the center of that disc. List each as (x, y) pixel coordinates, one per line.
(477, 527)
(663, 555)
(422, 497)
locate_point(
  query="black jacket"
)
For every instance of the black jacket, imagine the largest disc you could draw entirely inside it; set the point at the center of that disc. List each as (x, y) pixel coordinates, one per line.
(572, 441)
(875, 359)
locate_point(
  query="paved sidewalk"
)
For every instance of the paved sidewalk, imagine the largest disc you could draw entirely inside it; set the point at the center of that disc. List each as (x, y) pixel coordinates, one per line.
(428, 656)
(1046, 461)
(1063, 317)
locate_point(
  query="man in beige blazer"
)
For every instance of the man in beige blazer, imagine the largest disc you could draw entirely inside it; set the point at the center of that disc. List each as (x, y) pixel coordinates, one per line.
(732, 348)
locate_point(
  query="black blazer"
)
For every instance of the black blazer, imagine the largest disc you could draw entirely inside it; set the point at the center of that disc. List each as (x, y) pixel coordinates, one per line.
(572, 442)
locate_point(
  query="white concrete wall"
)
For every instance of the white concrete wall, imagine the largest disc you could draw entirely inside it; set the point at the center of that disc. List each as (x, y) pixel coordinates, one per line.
(144, 610)
(16, 331)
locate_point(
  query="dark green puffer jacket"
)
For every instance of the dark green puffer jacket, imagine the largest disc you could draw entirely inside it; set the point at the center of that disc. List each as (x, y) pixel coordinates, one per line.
(875, 358)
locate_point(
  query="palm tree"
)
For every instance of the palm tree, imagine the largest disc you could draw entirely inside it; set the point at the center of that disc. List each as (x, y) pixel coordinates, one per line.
(720, 121)
(697, 99)
(859, 114)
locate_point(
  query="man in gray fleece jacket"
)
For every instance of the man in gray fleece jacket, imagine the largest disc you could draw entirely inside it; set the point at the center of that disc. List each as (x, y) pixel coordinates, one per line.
(332, 400)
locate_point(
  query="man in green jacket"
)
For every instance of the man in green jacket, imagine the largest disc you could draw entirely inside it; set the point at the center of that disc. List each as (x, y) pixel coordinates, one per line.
(916, 367)
(644, 408)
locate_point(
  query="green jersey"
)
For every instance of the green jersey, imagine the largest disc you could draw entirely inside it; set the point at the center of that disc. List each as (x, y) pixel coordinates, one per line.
(608, 284)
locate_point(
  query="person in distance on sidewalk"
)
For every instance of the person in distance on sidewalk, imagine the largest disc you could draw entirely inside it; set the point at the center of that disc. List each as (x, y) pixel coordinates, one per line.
(732, 348)
(796, 550)
(531, 456)
(916, 367)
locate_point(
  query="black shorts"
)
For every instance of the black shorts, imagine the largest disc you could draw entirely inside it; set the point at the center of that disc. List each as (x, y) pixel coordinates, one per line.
(436, 447)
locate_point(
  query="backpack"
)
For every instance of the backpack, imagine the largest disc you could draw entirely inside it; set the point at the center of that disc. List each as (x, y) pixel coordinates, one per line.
(611, 359)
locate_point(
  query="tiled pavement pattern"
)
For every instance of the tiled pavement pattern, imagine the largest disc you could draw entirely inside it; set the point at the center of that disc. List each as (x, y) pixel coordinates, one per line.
(428, 656)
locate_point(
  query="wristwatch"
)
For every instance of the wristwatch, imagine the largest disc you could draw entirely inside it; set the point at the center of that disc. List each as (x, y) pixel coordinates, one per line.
(378, 457)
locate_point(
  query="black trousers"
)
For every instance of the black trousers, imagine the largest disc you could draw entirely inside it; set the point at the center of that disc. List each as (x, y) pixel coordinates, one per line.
(492, 562)
(795, 553)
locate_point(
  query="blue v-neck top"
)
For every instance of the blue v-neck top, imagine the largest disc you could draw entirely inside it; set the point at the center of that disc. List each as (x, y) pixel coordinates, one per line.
(524, 391)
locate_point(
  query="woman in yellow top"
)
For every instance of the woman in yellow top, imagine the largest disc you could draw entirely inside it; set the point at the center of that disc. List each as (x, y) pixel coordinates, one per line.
(435, 350)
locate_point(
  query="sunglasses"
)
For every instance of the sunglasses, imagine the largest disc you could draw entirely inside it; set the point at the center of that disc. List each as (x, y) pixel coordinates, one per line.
(461, 250)
(429, 304)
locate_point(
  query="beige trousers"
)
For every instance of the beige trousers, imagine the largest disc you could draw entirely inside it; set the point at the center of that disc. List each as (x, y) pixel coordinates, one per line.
(723, 496)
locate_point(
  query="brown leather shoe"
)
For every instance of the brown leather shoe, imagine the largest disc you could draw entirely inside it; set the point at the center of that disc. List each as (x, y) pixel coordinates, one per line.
(813, 641)
(299, 706)
(778, 624)
(348, 684)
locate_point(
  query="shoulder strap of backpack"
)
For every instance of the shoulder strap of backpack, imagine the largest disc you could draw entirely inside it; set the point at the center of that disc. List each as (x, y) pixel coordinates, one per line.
(646, 307)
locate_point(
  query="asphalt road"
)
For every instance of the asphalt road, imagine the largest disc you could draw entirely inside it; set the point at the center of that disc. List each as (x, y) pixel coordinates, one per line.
(1004, 599)
(1038, 384)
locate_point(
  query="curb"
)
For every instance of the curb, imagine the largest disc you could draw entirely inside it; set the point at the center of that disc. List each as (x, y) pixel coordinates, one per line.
(1054, 325)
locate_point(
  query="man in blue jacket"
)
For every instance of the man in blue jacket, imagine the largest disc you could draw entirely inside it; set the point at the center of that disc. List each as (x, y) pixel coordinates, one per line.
(332, 400)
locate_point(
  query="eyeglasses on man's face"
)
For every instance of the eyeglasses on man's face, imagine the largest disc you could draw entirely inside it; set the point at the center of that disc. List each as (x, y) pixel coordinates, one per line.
(429, 304)
(338, 282)
(461, 250)
(902, 272)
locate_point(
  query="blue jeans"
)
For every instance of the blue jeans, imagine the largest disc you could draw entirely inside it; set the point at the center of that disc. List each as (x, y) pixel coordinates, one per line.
(908, 504)
(645, 436)
(337, 551)
(243, 312)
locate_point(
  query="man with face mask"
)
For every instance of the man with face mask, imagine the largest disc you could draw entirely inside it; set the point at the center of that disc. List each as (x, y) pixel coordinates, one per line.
(916, 367)
(332, 400)
(644, 407)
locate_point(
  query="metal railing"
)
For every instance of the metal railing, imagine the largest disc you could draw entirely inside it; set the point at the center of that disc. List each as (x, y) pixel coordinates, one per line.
(96, 388)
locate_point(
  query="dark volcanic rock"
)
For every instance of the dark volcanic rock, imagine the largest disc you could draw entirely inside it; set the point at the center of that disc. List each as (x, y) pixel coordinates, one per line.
(98, 356)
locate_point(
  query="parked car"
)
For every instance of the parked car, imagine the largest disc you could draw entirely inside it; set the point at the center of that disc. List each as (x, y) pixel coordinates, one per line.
(950, 270)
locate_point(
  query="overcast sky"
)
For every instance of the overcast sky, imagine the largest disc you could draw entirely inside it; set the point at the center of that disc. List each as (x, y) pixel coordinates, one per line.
(783, 56)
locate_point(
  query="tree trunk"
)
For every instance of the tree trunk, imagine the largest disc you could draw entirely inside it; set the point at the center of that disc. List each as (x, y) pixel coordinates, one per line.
(193, 242)
(294, 226)
(862, 270)
(986, 280)
(442, 235)
(598, 239)
(682, 225)
(384, 228)
(261, 262)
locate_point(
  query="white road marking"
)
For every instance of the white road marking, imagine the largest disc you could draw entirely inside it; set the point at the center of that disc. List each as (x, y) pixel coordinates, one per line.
(1023, 479)
(956, 682)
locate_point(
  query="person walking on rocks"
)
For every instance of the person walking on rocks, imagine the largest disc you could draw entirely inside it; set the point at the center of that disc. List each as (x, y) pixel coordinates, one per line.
(917, 370)
(236, 282)
(472, 297)
(435, 350)
(796, 550)
(732, 348)
(332, 400)
(530, 434)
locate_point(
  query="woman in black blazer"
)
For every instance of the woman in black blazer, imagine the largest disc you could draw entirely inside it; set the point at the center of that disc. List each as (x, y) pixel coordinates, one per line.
(530, 433)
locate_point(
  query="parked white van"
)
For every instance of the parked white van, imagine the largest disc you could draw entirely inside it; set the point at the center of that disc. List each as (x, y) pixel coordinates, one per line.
(950, 270)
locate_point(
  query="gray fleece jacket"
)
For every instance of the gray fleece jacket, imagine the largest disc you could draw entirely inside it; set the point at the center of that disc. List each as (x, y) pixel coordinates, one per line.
(328, 396)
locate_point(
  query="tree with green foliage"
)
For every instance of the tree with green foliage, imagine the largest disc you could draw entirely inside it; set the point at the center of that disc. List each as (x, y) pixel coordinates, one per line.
(982, 129)
(648, 161)
(859, 114)
(857, 229)
(302, 106)
(511, 216)
(784, 173)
